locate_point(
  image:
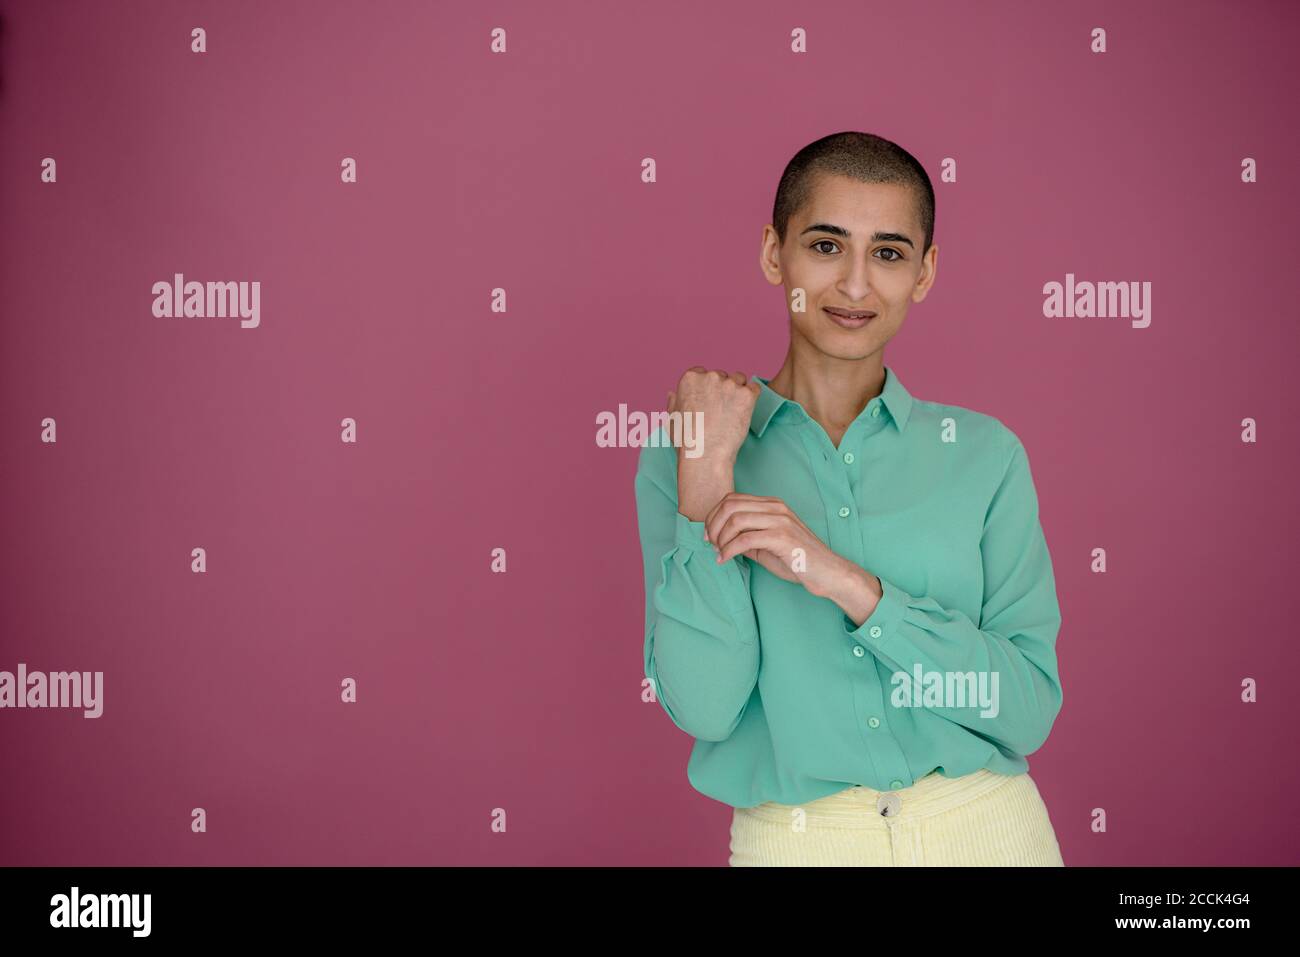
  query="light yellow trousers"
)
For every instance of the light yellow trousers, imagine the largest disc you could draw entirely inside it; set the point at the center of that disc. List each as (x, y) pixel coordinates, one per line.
(981, 819)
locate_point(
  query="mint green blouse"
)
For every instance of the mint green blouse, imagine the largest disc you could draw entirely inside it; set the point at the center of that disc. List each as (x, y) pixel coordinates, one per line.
(787, 699)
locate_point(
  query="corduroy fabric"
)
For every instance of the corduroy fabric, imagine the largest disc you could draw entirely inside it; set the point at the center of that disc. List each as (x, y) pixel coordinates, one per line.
(980, 819)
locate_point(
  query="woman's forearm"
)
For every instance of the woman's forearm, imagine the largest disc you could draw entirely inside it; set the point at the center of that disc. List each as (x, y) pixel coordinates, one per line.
(701, 484)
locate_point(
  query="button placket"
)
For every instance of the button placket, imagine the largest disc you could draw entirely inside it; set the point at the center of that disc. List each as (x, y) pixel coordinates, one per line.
(844, 535)
(833, 485)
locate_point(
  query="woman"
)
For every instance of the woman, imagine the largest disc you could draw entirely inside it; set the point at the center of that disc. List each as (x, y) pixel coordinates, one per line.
(849, 598)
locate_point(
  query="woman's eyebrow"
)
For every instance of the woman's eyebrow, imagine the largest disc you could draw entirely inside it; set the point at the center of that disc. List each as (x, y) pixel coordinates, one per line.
(876, 237)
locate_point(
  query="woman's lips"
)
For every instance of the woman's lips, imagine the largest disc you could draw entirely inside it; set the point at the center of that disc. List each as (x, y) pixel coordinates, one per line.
(846, 321)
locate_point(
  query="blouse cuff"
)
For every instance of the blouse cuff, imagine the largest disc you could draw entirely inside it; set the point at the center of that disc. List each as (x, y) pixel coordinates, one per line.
(883, 623)
(729, 578)
(690, 535)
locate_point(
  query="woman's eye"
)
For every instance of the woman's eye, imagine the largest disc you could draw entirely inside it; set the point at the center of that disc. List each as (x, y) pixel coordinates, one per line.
(825, 242)
(895, 252)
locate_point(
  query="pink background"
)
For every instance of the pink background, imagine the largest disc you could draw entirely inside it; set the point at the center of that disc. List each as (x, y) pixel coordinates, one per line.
(477, 429)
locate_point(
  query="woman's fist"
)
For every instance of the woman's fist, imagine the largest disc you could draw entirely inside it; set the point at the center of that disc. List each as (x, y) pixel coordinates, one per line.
(720, 405)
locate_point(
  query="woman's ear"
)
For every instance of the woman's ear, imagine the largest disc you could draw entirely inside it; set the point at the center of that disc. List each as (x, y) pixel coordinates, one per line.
(929, 270)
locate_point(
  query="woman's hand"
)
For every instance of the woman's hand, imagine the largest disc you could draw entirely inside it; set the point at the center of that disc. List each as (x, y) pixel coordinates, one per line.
(767, 531)
(722, 403)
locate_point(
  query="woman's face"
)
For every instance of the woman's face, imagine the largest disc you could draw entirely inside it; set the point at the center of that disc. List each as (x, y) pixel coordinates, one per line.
(855, 246)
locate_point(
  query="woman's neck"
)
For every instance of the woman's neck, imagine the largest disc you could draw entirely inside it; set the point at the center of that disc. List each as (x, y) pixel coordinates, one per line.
(833, 391)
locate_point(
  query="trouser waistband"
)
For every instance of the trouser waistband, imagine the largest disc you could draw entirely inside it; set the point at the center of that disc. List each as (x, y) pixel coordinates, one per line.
(861, 806)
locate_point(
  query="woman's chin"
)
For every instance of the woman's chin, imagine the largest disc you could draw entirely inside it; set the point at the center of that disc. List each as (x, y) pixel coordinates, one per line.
(846, 346)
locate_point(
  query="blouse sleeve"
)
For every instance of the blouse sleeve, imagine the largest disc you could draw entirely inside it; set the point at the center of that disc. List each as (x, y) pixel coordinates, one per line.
(701, 636)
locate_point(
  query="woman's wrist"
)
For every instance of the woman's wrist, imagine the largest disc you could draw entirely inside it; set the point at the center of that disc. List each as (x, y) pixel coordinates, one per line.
(857, 592)
(701, 484)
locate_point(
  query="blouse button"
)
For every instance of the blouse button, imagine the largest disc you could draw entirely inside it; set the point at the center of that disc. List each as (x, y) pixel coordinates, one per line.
(873, 722)
(857, 651)
(875, 631)
(895, 784)
(844, 512)
(848, 458)
(875, 411)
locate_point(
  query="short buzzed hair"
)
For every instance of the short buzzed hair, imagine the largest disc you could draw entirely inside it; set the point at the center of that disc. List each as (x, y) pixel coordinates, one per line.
(862, 156)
